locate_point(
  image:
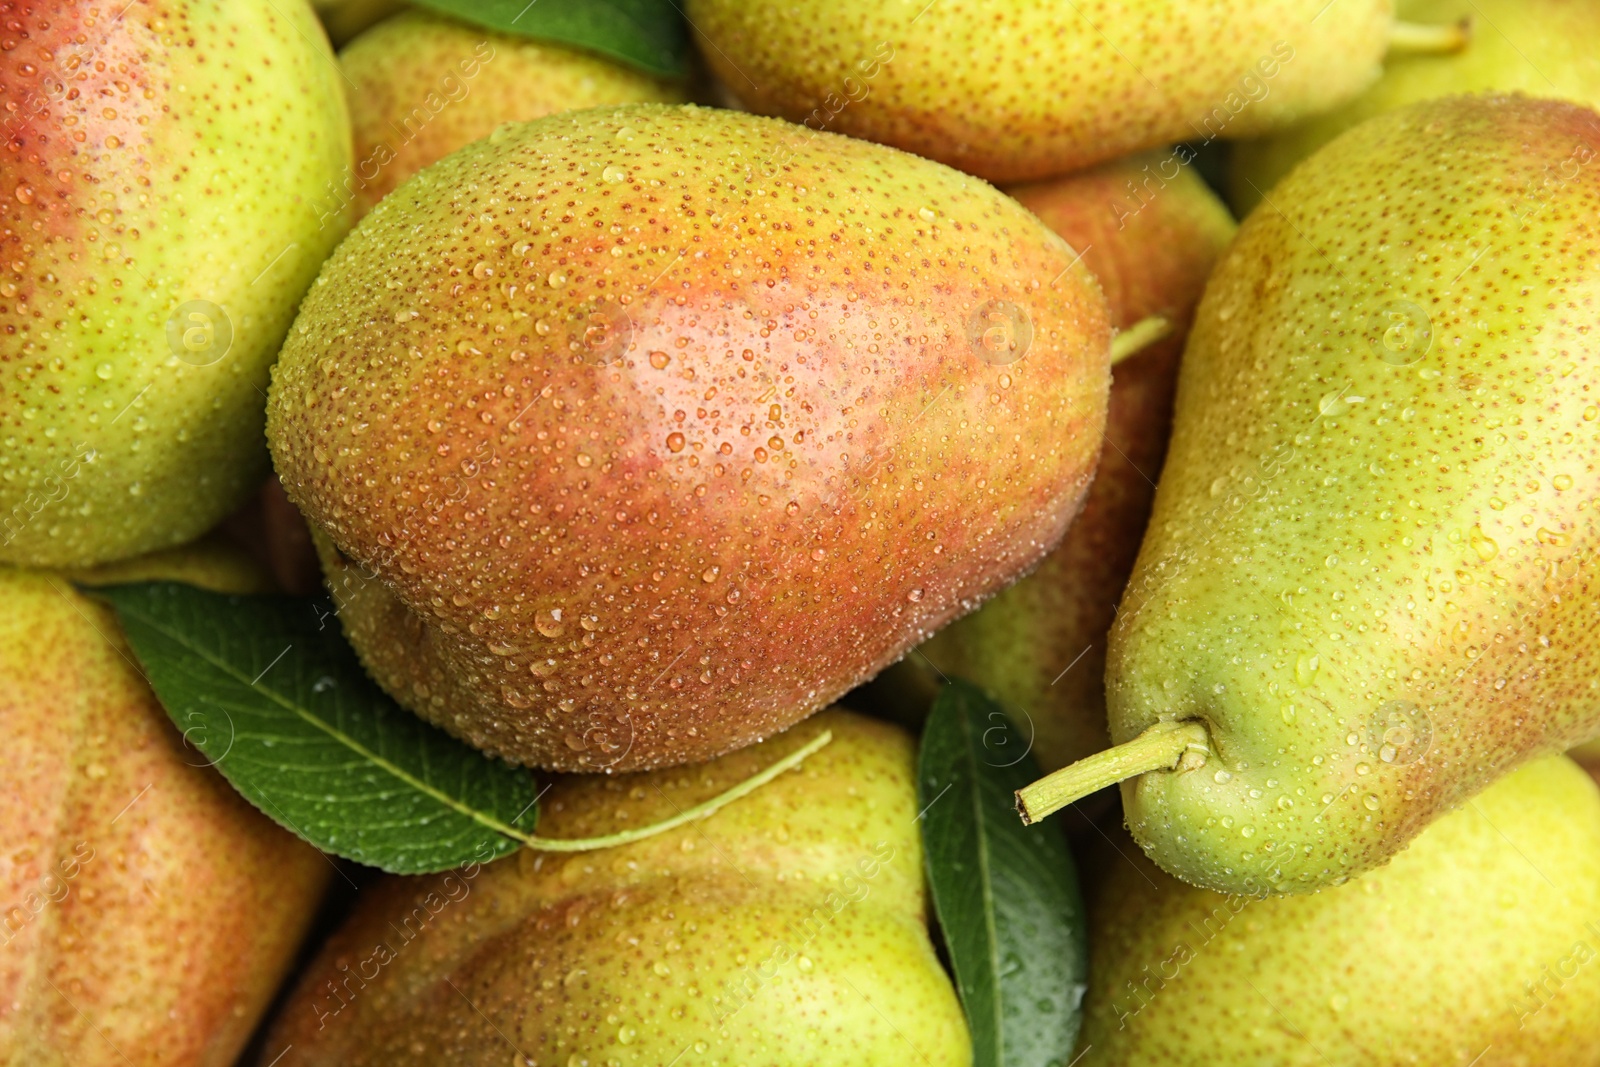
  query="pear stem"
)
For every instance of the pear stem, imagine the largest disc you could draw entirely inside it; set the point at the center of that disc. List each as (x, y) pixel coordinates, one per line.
(699, 811)
(1412, 38)
(1160, 748)
(1137, 337)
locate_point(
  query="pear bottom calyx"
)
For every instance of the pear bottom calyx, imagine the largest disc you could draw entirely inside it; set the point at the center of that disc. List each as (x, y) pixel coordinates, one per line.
(1166, 746)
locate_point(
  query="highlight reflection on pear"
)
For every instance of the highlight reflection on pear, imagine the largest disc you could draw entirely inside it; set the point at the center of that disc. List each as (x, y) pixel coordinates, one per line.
(671, 467)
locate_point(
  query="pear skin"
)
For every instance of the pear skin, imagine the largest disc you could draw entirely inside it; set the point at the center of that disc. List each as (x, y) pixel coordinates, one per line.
(1150, 231)
(1477, 944)
(590, 482)
(1036, 88)
(1364, 580)
(149, 912)
(1538, 47)
(426, 85)
(788, 928)
(163, 212)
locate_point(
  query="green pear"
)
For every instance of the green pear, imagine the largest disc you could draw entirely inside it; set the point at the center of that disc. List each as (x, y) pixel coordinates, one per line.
(1036, 88)
(787, 929)
(422, 86)
(147, 913)
(1477, 945)
(1363, 593)
(1150, 230)
(637, 434)
(163, 210)
(1539, 47)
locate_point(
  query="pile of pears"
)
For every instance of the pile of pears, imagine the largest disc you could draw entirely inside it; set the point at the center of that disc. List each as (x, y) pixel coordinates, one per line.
(640, 441)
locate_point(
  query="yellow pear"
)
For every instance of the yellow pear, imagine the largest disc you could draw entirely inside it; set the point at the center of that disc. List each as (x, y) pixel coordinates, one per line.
(1364, 593)
(1035, 88)
(422, 85)
(1539, 47)
(163, 208)
(147, 912)
(789, 928)
(1479, 944)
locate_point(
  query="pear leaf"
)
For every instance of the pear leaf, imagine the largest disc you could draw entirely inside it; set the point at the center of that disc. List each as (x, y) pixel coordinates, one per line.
(1006, 895)
(266, 689)
(650, 34)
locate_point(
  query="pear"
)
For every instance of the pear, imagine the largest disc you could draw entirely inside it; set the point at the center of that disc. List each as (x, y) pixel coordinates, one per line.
(162, 215)
(423, 86)
(1539, 47)
(147, 913)
(1150, 230)
(636, 434)
(1477, 944)
(1037, 88)
(1362, 596)
(789, 928)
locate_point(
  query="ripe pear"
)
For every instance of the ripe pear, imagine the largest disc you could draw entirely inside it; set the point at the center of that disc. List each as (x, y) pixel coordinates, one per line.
(1477, 944)
(160, 219)
(1539, 47)
(789, 928)
(1037, 88)
(1150, 230)
(1362, 595)
(634, 435)
(426, 85)
(147, 912)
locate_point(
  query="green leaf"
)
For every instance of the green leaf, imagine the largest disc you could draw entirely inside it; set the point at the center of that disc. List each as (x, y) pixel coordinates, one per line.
(270, 693)
(1006, 895)
(651, 34)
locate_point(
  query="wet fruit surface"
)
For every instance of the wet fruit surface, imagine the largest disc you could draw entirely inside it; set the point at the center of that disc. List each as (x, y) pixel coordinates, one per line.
(149, 262)
(147, 912)
(1474, 943)
(1037, 88)
(1150, 231)
(1368, 570)
(789, 928)
(424, 86)
(661, 427)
